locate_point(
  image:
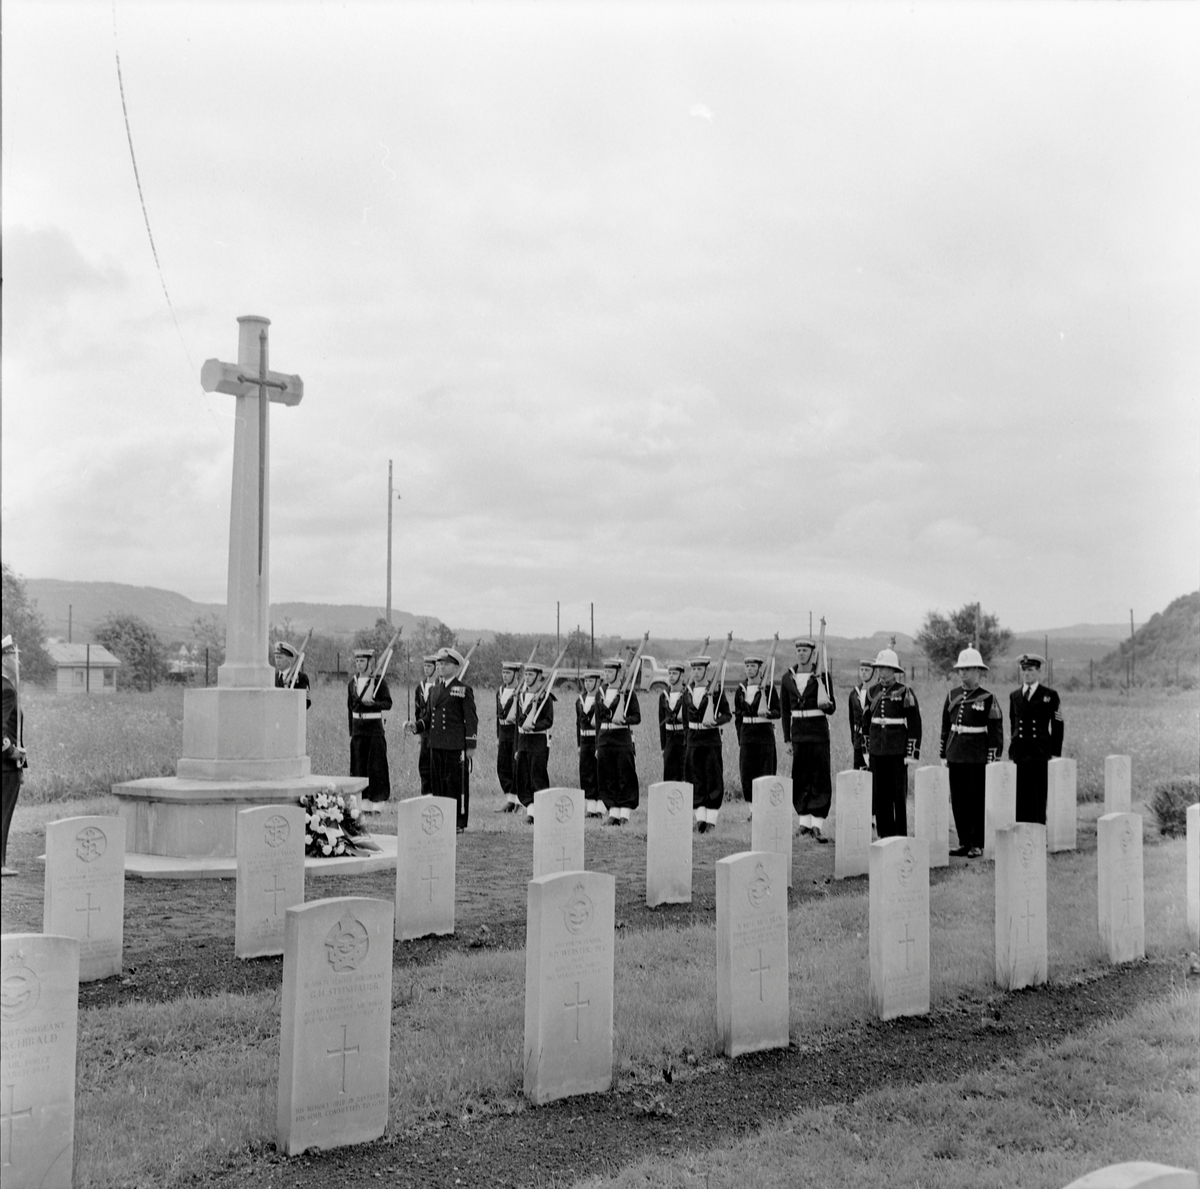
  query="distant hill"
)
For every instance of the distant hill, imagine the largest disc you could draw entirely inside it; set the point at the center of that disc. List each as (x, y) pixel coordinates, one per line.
(1080, 631)
(1167, 646)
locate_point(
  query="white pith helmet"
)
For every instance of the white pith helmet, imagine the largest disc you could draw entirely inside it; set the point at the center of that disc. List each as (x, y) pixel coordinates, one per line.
(887, 659)
(969, 658)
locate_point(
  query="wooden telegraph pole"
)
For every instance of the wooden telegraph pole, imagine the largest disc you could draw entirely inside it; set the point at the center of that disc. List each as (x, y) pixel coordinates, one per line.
(388, 612)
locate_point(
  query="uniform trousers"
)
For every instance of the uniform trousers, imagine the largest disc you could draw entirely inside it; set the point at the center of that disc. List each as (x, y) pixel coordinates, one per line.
(889, 795)
(812, 788)
(616, 778)
(674, 756)
(704, 767)
(12, 790)
(860, 760)
(967, 802)
(423, 767)
(505, 764)
(1032, 782)
(369, 758)
(450, 776)
(587, 770)
(756, 757)
(531, 770)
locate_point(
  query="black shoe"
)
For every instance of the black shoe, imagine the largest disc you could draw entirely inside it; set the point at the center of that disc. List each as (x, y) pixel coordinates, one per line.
(960, 852)
(702, 827)
(975, 853)
(820, 837)
(806, 830)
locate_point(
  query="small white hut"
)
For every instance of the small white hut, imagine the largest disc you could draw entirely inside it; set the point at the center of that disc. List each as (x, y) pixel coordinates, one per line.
(83, 668)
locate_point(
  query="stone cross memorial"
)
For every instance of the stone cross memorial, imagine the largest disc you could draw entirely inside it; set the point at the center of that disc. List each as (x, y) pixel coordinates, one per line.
(852, 824)
(1118, 784)
(1138, 1174)
(38, 1020)
(898, 923)
(668, 843)
(426, 855)
(1021, 950)
(752, 952)
(1061, 804)
(771, 819)
(1193, 874)
(85, 890)
(270, 876)
(557, 831)
(931, 787)
(999, 802)
(1119, 878)
(569, 985)
(335, 1031)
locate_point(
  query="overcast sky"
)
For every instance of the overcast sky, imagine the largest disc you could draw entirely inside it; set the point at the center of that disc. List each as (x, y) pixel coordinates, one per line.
(714, 314)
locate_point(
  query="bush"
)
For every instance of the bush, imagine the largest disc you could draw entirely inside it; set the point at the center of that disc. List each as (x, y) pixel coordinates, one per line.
(1170, 801)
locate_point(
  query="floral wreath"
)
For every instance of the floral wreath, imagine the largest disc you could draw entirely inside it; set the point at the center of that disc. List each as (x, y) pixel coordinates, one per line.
(331, 825)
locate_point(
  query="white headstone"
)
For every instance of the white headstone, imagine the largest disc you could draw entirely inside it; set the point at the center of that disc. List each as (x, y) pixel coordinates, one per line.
(38, 1019)
(932, 805)
(898, 920)
(1121, 893)
(1118, 784)
(85, 890)
(771, 819)
(270, 876)
(1021, 950)
(999, 802)
(1193, 874)
(1061, 804)
(668, 843)
(569, 985)
(1140, 1174)
(426, 855)
(752, 952)
(335, 1031)
(852, 824)
(557, 831)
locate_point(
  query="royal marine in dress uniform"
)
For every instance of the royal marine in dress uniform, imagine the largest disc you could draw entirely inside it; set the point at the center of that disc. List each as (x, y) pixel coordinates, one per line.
(535, 717)
(13, 762)
(420, 697)
(616, 766)
(1036, 725)
(585, 740)
(672, 723)
(366, 704)
(808, 702)
(755, 713)
(892, 726)
(506, 734)
(451, 722)
(706, 711)
(857, 702)
(972, 737)
(285, 656)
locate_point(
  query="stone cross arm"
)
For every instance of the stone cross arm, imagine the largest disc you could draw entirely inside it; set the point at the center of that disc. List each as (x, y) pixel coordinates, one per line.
(233, 380)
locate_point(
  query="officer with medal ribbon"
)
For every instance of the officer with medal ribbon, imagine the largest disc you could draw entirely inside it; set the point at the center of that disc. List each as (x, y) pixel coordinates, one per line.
(972, 737)
(585, 740)
(420, 697)
(367, 700)
(755, 713)
(808, 702)
(535, 717)
(1036, 737)
(892, 727)
(617, 711)
(672, 723)
(506, 734)
(706, 711)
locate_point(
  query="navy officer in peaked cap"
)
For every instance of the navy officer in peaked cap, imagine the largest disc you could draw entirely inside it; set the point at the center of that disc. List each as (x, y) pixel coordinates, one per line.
(285, 657)
(451, 723)
(1036, 725)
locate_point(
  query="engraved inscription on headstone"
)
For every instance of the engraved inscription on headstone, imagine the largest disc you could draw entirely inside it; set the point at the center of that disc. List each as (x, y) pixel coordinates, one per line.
(1061, 804)
(898, 916)
(999, 802)
(1120, 888)
(426, 867)
(557, 831)
(668, 843)
(1021, 949)
(932, 812)
(771, 819)
(852, 824)
(270, 876)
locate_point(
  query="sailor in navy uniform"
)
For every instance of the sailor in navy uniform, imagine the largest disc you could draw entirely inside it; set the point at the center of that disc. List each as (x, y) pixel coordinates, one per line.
(808, 702)
(585, 740)
(755, 713)
(13, 763)
(972, 737)
(706, 711)
(1036, 726)
(535, 717)
(672, 723)
(452, 724)
(858, 703)
(506, 734)
(892, 727)
(285, 655)
(420, 697)
(366, 705)
(616, 765)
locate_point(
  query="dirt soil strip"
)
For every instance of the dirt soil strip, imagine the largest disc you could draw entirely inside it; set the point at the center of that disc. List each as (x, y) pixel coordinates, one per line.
(699, 1108)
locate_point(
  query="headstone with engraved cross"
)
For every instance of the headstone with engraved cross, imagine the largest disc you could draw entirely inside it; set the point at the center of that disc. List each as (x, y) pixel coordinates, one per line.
(771, 819)
(1121, 892)
(557, 831)
(999, 802)
(569, 984)
(270, 876)
(426, 855)
(898, 921)
(1021, 951)
(851, 824)
(1062, 808)
(752, 952)
(38, 1020)
(931, 803)
(668, 843)
(335, 1028)
(85, 890)
(1118, 784)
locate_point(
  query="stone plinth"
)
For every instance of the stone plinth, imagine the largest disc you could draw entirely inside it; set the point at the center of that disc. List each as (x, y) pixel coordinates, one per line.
(243, 734)
(1061, 804)
(771, 819)
(932, 804)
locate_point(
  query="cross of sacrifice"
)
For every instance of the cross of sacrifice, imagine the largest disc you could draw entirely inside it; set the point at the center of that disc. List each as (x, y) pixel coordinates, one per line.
(91, 908)
(908, 941)
(431, 879)
(7, 1117)
(344, 1052)
(274, 890)
(579, 1003)
(760, 969)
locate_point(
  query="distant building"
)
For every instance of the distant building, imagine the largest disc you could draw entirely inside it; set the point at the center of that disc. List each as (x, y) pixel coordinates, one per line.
(74, 662)
(183, 666)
